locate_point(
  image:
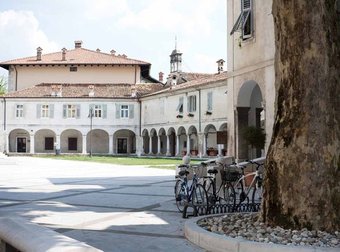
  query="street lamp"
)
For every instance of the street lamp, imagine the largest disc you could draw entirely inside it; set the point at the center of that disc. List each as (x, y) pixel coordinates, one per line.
(91, 117)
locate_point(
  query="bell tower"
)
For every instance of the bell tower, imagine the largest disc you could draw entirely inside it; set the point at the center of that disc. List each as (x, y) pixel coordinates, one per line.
(175, 60)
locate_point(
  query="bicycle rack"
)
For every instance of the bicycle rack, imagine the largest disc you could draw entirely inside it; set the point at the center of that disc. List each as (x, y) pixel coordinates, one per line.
(218, 209)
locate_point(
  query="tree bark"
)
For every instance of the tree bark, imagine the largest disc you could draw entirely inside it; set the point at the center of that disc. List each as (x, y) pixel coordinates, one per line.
(302, 177)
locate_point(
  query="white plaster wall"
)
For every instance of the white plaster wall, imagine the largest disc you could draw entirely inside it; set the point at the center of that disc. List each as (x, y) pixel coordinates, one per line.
(28, 76)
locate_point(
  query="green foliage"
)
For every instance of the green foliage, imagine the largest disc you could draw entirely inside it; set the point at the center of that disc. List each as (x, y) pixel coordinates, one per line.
(3, 85)
(254, 136)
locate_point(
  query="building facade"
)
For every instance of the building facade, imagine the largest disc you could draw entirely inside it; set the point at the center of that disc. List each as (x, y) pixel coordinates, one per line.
(84, 101)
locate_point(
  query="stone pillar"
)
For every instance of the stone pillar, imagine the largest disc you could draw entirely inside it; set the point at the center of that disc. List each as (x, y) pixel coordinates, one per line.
(159, 145)
(7, 142)
(32, 143)
(139, 145)
(57, 143)
(188, 145)
(150, 146)
(111, 144)
(219, 148)
(84, 145)
(200, 144)
(205, 144)
(177, 145)
(168, 145)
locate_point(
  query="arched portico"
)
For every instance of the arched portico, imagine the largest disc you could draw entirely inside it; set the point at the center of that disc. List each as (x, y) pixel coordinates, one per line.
(162, 142)
(153, 141)
(71, 141)
(193, 141)
(124, 142)
(146, 141)
(172, 141)
(44, 140)
(210, 140)
(97, 141)
(249, 113)
(19, 141)
(182, 141)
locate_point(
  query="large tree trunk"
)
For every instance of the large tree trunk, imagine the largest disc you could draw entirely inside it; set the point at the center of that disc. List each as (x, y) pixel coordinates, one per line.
(302, 184)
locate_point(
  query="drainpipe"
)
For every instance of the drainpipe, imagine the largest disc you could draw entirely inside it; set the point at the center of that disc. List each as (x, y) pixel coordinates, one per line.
(199, 112)
(5, 113)
(140, 117)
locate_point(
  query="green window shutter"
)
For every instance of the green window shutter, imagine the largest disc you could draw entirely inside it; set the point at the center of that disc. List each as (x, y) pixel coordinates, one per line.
(51, 110)
(131, 111)
(188, 103)
(91, 107)
(104, 107)
(38, 110)
(117, 111)
(78, 111)
(64, 111)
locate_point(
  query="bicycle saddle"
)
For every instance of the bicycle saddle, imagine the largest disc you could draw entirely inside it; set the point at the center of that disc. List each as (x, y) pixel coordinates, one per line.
(212, 171)
(182, 173)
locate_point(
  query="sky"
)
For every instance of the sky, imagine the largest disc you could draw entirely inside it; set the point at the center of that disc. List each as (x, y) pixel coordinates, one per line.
(142, 29)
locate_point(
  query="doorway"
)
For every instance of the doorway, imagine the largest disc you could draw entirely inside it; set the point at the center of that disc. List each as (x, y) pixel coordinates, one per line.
(21, 144)
(122, 145)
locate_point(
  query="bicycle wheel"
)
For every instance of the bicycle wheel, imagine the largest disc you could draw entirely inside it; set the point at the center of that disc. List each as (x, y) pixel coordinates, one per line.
(200, 199)
(209, 188)
(256, 197)
(180, 195)
(229, 195)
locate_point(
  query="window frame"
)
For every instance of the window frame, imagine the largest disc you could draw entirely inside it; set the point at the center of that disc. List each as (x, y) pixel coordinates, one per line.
(19, 112)
(97, 111)
(45, 111)
(245, 18)
(124, 111)
(192, 103)
(71, 109)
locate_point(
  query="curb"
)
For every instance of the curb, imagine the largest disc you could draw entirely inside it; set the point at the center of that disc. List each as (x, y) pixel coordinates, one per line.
(221, 243)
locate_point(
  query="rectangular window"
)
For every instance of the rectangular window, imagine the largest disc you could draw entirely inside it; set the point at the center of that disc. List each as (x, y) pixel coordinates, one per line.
(192, 103)
(73, 69)
(71, 111)
(244, 22)
(45, 111)
(49, 143)
(124, 111)
(209, 101)
(19, 112)
(72, 144)
(180, 105)
(97, 111)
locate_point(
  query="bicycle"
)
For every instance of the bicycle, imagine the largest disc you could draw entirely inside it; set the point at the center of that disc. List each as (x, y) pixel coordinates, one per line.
(185, 194)
(226, 188)
(241, 191)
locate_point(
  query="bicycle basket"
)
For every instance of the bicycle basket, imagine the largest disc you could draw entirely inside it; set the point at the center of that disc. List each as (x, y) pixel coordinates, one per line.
(231, 175)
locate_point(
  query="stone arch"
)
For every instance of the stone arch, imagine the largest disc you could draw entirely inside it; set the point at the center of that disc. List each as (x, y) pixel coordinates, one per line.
(44, 141)
(19, 141)
(71, 141)
(182, 140)
(97, 142)
(163, 141)
(249, 113)
(146, 141)
(172, 141)
(154, 141)
(210, 140)
(193, 138)
(124, 142)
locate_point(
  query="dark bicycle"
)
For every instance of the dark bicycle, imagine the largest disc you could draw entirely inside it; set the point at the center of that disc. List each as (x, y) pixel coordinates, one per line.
(193, 194)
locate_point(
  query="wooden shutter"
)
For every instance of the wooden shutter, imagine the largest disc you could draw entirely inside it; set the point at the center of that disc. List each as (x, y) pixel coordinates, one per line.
(51, 110)
(209, 101)
(64, 111)
(78, 111)
(38, 110)
(117, 111)
(131, 111)
(104, 107)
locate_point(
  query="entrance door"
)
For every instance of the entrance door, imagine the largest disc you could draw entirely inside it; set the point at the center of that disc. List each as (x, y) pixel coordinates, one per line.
(122, 145)
(21, 144)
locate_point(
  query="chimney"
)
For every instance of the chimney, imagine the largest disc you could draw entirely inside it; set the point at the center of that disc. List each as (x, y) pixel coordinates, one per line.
(39, 51)
(160, 76)
(56, 90)
(220, 65)
(91, 90)
(112, 52)
(124, 55)
(78, 43)
(98, 50)
(63, 54)
(173, 81)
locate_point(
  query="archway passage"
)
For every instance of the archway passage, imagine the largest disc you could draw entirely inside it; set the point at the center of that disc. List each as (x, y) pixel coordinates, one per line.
(146, 141)
(154, 141)
(71, 141)
(193, 138)
(182, 141)
(162, 138)
(97, 142)
(44, 140)
(172, 141)
(210, 140)
(124, 142)
(18, 141)
(249, 113)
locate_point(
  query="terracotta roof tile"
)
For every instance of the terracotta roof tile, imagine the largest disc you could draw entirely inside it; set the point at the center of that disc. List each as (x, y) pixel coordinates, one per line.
(76, 56)
(82, 90)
